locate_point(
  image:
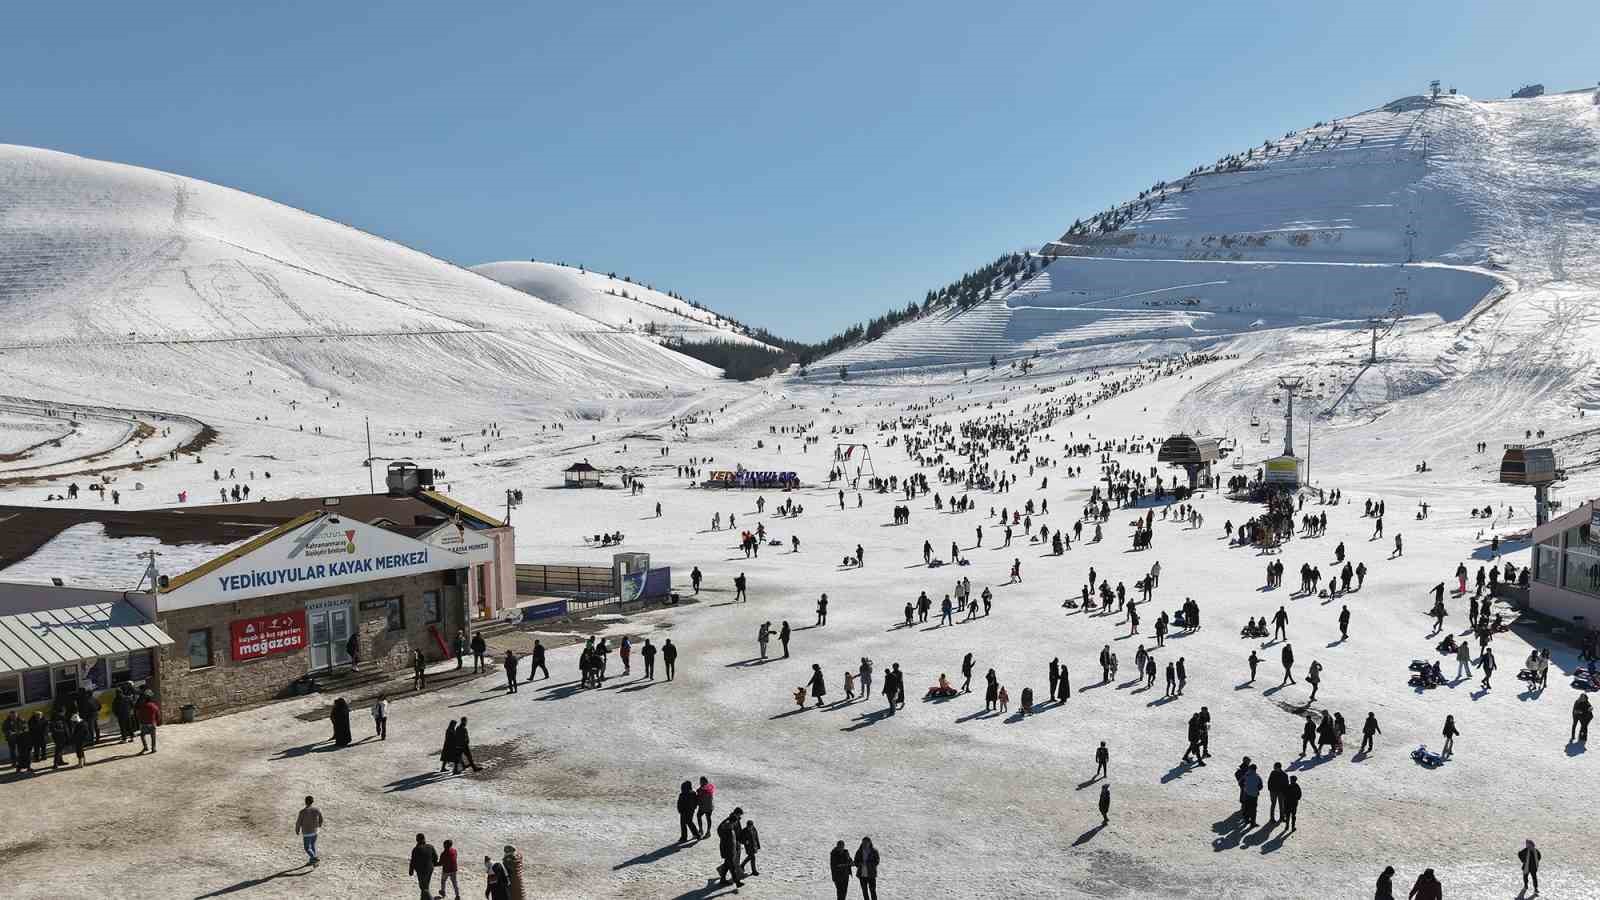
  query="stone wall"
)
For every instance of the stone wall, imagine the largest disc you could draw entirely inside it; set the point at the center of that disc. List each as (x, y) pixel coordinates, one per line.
(229, 683)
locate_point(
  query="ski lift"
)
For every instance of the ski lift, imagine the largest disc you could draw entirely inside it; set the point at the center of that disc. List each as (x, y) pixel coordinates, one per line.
(1255, 421)
(1266, 438)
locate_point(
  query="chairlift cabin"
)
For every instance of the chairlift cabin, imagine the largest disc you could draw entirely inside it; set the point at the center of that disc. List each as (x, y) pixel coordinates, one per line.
(1533, 467)
(1193, 454)
(1255, 421)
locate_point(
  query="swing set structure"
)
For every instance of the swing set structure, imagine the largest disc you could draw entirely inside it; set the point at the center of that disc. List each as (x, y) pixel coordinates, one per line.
(858, 454)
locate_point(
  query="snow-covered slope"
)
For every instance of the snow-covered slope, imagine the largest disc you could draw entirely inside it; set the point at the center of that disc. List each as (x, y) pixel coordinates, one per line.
(99, 259)
(1421, 207)
(615, 302)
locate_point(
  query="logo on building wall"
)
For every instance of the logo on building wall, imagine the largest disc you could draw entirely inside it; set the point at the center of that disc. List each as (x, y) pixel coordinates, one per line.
(312, 543)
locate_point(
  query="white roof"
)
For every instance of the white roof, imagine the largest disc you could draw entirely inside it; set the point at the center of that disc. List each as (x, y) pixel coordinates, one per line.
(58, 636)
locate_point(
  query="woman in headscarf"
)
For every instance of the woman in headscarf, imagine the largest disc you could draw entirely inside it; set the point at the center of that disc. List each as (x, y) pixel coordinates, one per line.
(341, 722)
(1385, 889)
(866, 863)
(499, 883)
(449, 754)
(1426, 887)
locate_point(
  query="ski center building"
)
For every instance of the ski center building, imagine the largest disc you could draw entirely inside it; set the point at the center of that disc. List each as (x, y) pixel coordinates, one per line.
(248, 599)
(1566, 566)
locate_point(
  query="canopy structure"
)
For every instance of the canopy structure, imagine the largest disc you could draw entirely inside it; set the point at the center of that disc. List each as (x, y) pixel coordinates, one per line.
(581, 474)
(73, 634)
(1195, 454)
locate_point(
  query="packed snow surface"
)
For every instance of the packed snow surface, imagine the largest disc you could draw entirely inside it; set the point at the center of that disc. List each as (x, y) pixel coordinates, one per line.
(617, 302)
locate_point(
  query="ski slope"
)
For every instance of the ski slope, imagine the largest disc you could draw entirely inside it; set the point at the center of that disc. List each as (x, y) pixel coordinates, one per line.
(100, 262)
(618, 303)
(1456, 204)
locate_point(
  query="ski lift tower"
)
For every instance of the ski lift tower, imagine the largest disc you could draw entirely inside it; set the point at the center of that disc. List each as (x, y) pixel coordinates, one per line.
(1291, 386)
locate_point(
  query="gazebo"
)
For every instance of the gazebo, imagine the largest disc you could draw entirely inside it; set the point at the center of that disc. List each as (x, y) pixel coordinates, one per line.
(581, 475)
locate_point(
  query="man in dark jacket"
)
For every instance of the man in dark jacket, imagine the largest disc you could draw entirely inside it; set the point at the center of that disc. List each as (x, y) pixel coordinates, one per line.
(669, 656)
(511, 672)
(728, 847)
(1277, 780)
(122, 709)
(1291, 802)
(423, 860)
(536, 660)
(839, 868)
(458, 647)
(1368, 729)
(750, 841)
(688, 803)
(648, 651)
(1288, 665)
(480, 647)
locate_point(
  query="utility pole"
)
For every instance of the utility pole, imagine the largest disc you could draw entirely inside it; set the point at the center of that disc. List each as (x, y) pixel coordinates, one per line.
(371, 488)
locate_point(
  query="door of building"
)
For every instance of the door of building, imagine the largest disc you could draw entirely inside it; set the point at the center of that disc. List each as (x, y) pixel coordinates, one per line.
(330, 630)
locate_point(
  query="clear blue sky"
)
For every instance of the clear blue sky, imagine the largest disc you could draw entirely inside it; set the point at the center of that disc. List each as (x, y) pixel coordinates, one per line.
(798, 166)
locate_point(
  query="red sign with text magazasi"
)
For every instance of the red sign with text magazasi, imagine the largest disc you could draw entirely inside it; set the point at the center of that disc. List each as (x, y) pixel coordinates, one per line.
(269, 635)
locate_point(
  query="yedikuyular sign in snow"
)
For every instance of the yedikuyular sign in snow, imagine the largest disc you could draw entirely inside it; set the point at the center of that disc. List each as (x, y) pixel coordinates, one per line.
(327, 552)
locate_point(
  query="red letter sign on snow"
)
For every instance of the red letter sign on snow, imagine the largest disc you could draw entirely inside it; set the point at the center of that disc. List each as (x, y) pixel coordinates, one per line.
(269, 635)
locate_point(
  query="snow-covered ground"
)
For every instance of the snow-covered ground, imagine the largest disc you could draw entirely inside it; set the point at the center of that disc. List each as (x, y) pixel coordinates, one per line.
(617, 302)
(960, 803)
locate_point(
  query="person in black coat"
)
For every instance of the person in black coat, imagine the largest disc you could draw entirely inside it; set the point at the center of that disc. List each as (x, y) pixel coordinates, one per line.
(447, 754)
(1066, 684)
(839, 868)
(510, 663)
(480, 647)
(819, 685)
(38, 735)
(122, 709)
(783, 637)
(867, 869)
(1291, 803)
(669, 656)
(1385, 890)
(687, 804)
(464, 746)
(728, 848)
(1276, 782)
(1529, 857)
(750, 841)
(341, 722)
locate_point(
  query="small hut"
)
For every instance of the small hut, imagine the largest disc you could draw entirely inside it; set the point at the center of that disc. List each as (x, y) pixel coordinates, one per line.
(581, 475)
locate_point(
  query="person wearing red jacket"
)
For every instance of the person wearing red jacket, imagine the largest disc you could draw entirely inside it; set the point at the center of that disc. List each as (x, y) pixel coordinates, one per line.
(447, 869)
(149, 720)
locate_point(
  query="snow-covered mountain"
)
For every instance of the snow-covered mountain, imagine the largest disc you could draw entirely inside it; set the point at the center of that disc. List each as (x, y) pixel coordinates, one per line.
(100, 262)
(1435, 208)
(617, 302)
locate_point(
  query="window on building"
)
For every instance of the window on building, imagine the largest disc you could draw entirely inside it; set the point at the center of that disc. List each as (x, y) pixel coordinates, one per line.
(10, 691)
(121, 669)
(1583, 568)
(200, 648)
(66, 680)
(396, 607)
(36, 686)
(1547, 563)
(95, 677)
(432, 609)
